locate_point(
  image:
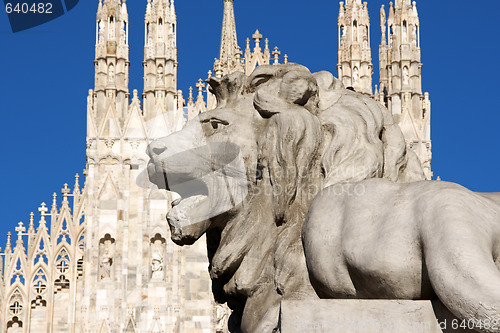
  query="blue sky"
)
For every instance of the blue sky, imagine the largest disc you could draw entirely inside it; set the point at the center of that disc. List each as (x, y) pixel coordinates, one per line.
(45, 74)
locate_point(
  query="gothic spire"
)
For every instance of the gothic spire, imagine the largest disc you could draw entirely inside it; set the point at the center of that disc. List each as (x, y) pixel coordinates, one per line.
(354, 54)
(111, 61)
(229, 41)
(401, 77)
(160, 58)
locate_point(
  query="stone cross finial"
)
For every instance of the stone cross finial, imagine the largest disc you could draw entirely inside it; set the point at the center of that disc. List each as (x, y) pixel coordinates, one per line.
(276, 54)
(43, 211)
(209, 74)
(20, 229)
(8, 246)
(31, 227)
(190, 98)
(200, 85)
(257, 37)
(65, 191)
(54, 201)
(77, 182)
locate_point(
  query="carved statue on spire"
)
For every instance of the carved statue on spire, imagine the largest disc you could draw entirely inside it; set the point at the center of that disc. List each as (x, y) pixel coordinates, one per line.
(157, 266)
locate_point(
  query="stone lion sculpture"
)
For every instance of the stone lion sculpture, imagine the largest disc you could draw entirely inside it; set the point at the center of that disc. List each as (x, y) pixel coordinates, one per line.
(247, 172)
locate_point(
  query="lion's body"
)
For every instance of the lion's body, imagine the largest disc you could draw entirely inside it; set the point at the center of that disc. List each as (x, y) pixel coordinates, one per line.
(406, 241)
(276, 139)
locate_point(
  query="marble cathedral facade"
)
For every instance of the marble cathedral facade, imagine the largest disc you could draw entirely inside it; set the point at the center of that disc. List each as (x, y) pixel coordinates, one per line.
(99, 258)
(400, 67)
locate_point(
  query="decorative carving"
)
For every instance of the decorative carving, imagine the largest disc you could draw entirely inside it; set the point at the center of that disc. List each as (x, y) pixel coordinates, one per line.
(355, 75)
(406, 76)
(109, 143)
(157, 261)
(134, 144)
(222, 317)
(106, 250)
(159, 74)
(90, 143)
(157, 266)
(111, 73)
(109, 160)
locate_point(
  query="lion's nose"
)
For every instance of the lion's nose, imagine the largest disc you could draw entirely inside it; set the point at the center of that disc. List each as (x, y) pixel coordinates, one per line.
(156, 148)
(159, 150)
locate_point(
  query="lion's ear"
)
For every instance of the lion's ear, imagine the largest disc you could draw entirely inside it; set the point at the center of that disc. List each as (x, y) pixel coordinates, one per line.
(258, 81)
(327, 81)
(267, 102)
(227, 88)
(260, 76)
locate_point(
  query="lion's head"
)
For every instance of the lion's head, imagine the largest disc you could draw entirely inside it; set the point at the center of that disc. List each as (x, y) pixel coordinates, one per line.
(247, 171)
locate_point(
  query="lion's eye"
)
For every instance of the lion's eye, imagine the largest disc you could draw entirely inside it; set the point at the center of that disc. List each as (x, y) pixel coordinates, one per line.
(217, 123)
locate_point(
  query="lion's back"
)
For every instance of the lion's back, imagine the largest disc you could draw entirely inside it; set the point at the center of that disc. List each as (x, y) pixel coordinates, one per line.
(368, 232)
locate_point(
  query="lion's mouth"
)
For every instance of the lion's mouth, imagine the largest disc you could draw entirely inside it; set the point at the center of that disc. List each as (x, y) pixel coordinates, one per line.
(189, 207)
(208, 181)
(185, 217)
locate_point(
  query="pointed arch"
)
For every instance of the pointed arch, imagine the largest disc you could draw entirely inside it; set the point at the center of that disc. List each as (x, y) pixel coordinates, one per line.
(156, 327)
(110, 126)
(135, 127)
(39, 287)
(158, 126)
(18, 267)
(130, 328)
(16, 294)
(104, 327)
(108, 190)
(42, 247)
(39, 284)
(16, 309)
(62, 270)
(64, 226)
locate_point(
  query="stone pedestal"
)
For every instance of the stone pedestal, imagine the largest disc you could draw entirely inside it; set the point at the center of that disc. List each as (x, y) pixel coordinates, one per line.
(365, 316)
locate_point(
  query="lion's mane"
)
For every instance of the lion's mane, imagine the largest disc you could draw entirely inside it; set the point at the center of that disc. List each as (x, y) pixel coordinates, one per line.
(331, 135)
